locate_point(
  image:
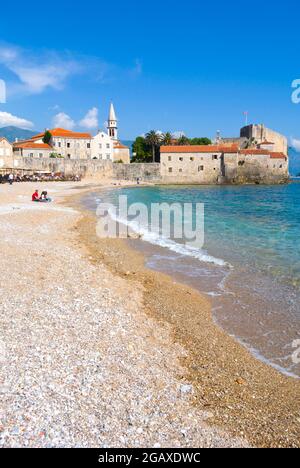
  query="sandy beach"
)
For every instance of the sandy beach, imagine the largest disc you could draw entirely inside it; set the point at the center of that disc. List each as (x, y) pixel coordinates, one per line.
(98, 351)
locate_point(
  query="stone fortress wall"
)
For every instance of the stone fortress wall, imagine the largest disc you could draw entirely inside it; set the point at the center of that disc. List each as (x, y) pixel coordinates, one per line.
(82, 167)
(219, 166)
(231, 168)
(259, 133)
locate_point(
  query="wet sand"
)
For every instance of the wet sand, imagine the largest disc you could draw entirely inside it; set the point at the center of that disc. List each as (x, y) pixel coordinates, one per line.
(242, 395)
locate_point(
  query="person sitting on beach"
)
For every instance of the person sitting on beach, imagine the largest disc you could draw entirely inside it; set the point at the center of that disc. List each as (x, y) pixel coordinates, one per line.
(44, 197)
(35, 196)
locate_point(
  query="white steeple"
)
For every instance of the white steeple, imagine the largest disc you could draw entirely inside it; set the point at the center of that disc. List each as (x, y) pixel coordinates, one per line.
(112, 124)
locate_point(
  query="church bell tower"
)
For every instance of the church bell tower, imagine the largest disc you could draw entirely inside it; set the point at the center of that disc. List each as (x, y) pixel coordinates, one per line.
(112, 123)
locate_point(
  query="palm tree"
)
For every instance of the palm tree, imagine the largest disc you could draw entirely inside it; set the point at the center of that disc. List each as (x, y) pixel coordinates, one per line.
(183, 140)
(153, 139)
(167, 138)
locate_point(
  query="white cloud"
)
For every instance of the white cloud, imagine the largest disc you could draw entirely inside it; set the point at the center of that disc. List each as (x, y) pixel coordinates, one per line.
(34, 72)
(90, 120)
(7, 119)
(63, 120)
(37, 73)
(295, 144)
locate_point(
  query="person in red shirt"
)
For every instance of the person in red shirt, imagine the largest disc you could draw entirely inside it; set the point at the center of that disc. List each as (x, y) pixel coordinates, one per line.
(35, 196)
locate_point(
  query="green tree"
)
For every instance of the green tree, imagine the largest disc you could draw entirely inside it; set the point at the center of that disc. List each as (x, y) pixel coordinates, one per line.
(153, 139)
(47, 137)
(141, 150)
(167, 138)
(200, 141)
(183, 140)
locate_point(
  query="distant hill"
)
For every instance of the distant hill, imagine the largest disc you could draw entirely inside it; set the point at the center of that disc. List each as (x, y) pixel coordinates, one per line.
(11, 133)
(294, 157)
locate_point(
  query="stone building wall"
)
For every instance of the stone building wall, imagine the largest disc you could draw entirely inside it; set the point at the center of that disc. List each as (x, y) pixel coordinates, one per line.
(122, 154)
(226, 168)
(5, 147)
(102, 147)
(259, 133)
(82, 167)
(218, 168)
(201, 168)
(149, 172)
(70, 148)
(32, 153)
(262, 169)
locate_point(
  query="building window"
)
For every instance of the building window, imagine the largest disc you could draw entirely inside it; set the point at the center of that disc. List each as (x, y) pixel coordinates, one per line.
(170, 169)
(68, 145)
(180, 159)
(59, 144)
(169, 158)
(200, 168)
(41, 155)
(88, 145)
(31, 155)
(108, 156)
(100, 146)
(107, 145)
(215, 156)
(191, 159)
(180, 170)
(280, 167)
(69, 156)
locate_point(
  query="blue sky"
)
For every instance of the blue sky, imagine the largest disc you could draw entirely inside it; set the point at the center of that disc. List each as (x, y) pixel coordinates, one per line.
(179, 66)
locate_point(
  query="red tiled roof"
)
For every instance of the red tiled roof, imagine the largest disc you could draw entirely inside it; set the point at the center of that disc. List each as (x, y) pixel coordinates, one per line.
(278, 156)
(31, 145)
(200, 149)
(272, 154)
(254, 151)
(61, 132)
(119, 145)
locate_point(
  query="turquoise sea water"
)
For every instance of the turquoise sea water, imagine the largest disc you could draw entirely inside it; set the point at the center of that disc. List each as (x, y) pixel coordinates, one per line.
(249, 264)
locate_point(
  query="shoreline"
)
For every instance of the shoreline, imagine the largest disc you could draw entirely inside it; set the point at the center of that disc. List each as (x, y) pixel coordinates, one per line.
(246, 397)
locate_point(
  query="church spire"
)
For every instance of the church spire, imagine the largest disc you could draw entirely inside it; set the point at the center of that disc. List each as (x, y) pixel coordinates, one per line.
(112, 124)
(112, 114)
